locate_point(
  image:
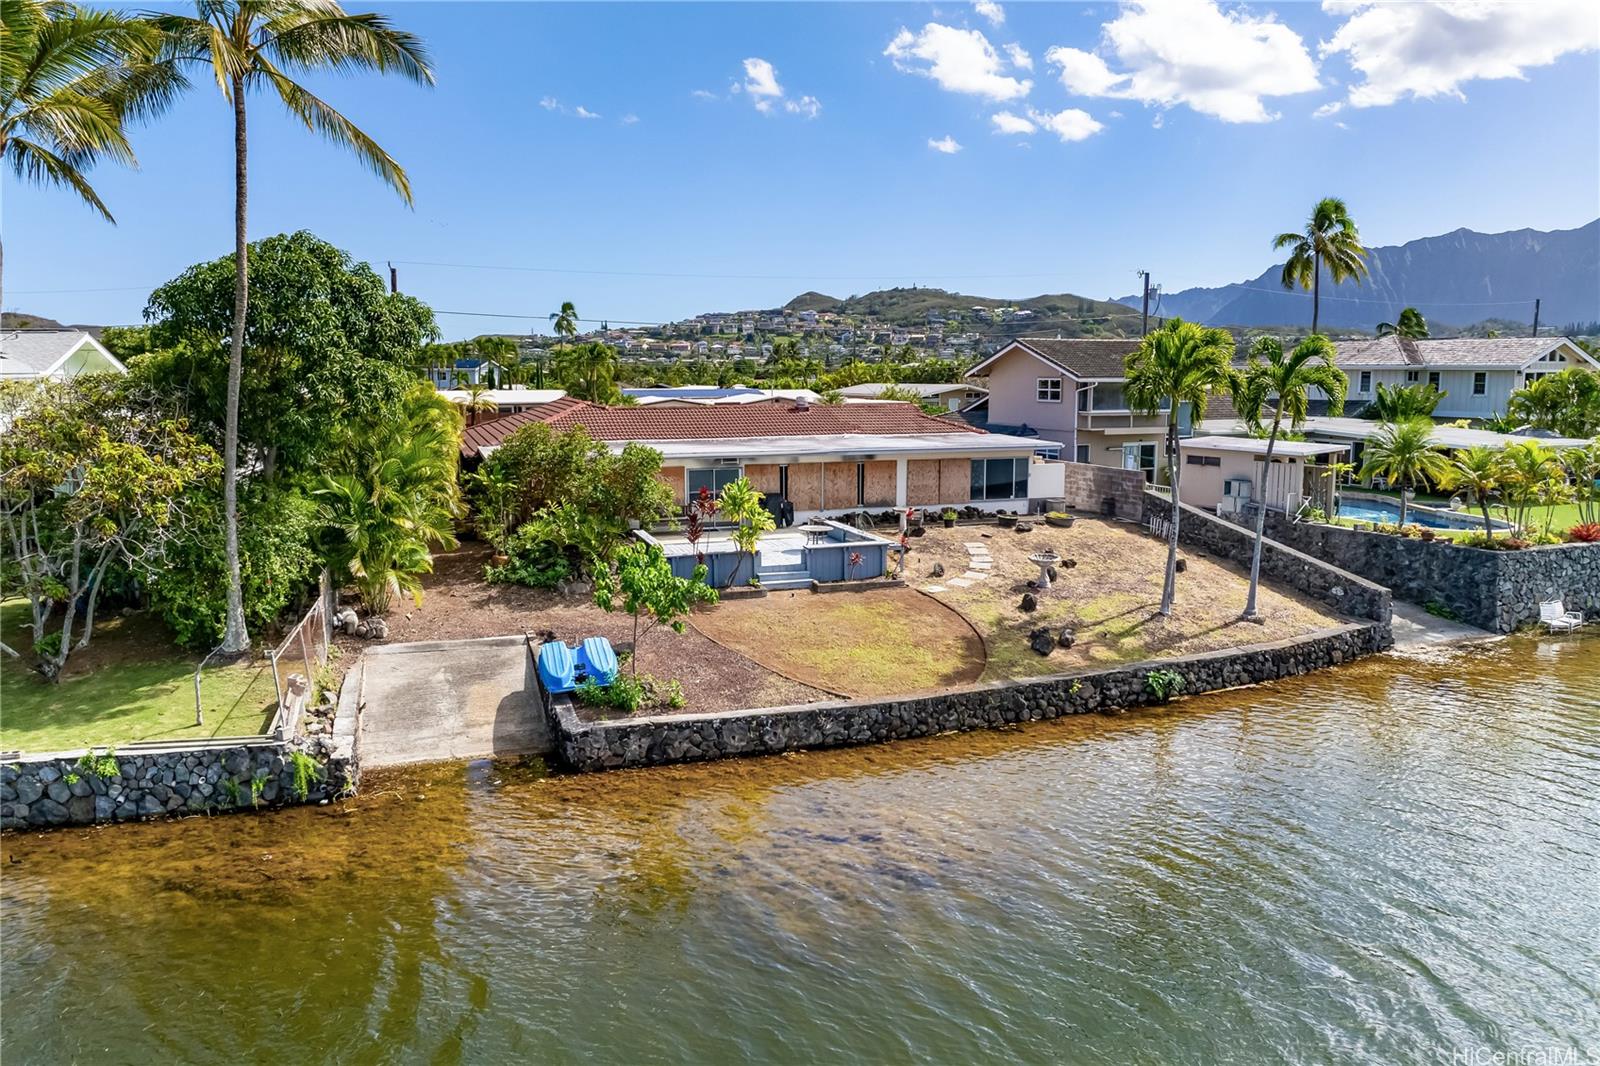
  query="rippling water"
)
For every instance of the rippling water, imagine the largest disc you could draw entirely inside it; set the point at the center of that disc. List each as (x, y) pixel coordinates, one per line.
(1381, 863)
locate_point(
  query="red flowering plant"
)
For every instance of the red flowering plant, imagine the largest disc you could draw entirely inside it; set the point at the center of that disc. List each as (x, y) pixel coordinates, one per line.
(700, 511)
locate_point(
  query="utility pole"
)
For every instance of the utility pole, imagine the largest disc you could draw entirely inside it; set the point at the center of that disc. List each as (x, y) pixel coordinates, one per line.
(1536, 317)
(1144, 316)
(394, 280)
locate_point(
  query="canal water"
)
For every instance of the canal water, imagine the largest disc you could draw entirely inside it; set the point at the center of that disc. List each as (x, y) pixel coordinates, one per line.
(1391, 862)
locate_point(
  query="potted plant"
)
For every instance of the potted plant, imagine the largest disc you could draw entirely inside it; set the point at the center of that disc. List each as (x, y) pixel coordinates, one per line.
(1059, 518)
(949, 518)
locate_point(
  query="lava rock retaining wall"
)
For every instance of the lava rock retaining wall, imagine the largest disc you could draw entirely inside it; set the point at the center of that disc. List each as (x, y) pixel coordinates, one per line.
(663, 739)
(1494, 590)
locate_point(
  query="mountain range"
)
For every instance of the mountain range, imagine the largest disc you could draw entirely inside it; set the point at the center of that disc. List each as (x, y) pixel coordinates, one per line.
(1455, 278)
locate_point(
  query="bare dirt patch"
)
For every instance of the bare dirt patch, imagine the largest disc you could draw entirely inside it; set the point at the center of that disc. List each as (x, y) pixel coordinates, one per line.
(457, 603)
(1109, 598)
(876, 642)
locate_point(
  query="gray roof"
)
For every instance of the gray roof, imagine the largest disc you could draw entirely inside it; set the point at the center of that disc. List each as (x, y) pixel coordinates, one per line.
(31, 352)
(1475, 352)
(1085, 358)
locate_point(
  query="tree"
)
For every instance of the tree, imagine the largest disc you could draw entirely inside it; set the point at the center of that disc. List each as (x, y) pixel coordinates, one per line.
(1567, 402)
(1582, 464)
(477, 402)
(1286, 382)
(94, 472)
(1404, 453)
(1479, 472)
(1180, 363)
(1410, 324)
(1329, 241)
(71, 79)
(646, 588)
(1400, 403)
(245, 45)
(741, 504)
(588, 372)
(565, 321)
(1528, 468)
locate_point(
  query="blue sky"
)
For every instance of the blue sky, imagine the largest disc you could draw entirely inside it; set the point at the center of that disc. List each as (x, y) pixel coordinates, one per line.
(733, 155)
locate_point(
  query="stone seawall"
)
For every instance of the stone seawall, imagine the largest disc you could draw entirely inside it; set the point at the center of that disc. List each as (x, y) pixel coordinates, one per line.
(665, 739)
(1281, 564)
(1495, 590)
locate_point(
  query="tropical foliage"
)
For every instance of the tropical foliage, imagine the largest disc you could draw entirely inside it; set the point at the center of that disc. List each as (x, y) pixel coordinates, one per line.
(1479, 472)
(1406, 454)
(1400, 403)
(644, 586)
(1410, 325)
(1283, 381)
(1567, 403)
(1180, 363)
(1330, 243)
(587, 371)
(741, 504)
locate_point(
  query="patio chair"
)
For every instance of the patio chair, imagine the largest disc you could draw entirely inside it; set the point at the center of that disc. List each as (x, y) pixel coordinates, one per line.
(1554, 616)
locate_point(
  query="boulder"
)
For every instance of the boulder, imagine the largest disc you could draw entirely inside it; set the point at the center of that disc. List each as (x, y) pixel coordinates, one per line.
(1066, 638)
(346, 620)
(28, 790)
(937, 571)
(1042, 641)
(48, 773)
(377, 629)
(47, 812)
(1030, 602)
(1182, 565)
(59, 791)
(1024, 527)
(1070, 564)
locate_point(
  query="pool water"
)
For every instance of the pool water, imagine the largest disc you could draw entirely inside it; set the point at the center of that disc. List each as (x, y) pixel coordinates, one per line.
(1388, 511)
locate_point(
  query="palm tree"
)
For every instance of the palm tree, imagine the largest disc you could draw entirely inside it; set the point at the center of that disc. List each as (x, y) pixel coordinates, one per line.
(588, 371)
(1479, 471)
(1286, 382)
(245, 45)
(1404, 453)
(1400, 403)
(1181, 362)
(1330, 241)
(70, 80)
(477, 400)
(566, 321)
(1410, 324)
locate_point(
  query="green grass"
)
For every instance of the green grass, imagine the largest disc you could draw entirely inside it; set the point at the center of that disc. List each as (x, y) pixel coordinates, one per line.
(141, 688)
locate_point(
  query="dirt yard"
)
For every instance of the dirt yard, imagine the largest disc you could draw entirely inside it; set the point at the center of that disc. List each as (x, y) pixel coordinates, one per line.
(1109, 598)
(875, 642)
(457, 603)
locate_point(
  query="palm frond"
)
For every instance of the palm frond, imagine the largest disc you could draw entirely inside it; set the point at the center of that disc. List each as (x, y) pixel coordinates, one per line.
(37, 163)
(321, 117)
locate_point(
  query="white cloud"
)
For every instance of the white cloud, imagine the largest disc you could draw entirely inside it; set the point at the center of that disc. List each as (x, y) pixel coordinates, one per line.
(1428, 50)
(630, 119)
(761, 85)
(703, 94)
(1327, 109)
(961, 61)
(1070, 125)
(550, 103)
(991, 11)
(584, 112)
(946, 144)
(1193, 53)
(1006, 122)
(1019, 57)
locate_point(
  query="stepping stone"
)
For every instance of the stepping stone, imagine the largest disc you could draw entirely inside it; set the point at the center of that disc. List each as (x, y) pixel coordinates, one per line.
(981, 564)
(976, 546)
(933, 588)
(973, 575)
(960, 582)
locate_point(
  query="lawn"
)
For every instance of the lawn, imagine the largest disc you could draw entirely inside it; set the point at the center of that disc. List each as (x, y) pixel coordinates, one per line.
(886, 641)
(130, 684)
(1562, 517)
(1109, 599)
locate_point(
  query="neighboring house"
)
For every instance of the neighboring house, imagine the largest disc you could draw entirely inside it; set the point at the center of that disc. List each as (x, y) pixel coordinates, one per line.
(506, 401)
(952, 397)
(821, 458)
(1072, 391)
(464, 372)
(56, 354)
(1222, 474)
(704, 395)
(1476, 374)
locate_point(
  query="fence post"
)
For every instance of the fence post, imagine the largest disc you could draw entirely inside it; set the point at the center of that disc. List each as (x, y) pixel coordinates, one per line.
(325, 596)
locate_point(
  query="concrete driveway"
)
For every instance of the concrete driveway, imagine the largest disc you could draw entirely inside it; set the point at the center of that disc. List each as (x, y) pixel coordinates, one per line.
(446, 699)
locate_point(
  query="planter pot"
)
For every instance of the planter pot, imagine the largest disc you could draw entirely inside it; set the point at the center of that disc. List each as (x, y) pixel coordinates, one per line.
(1006, 520)
(949, 523)
(499, 559)
(1060, 521)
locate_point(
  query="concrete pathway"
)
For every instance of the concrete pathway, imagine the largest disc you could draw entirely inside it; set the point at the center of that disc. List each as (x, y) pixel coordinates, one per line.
(1416, 628)
(446, 699)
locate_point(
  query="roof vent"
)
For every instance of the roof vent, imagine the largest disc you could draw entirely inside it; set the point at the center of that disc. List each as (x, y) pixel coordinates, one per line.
(802, 404)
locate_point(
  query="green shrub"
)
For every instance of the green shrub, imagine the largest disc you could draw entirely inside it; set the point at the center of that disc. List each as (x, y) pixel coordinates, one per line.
(306, 770)
(533, 561)
(1164, 683)
(101, 766)
(630, 693)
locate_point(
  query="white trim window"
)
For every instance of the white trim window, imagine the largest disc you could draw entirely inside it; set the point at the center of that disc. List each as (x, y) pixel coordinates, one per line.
(999, 479)
(1480, 383)
(1364, 386)
(1047, 390)
(1434, 377)
(1413, 376)
(1047, 453)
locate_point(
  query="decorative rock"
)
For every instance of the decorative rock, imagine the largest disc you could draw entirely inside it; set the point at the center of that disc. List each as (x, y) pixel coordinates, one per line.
(1041, 641)
(1024, 527)
(937, 571)
(1070, 564)
(1054, 573)
(377, 629)
(1066, 638)
(1030, 602)
(346, 620)
(1181, 565)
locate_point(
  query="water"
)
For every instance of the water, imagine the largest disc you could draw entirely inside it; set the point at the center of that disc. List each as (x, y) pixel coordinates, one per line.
(1376, 864)
(1370, 510)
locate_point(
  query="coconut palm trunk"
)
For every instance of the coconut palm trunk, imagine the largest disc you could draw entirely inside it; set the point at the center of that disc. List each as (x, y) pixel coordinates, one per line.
(1250, 612)
(235, 636)
(1169, 587)
(1404, 484)
(1316, 290)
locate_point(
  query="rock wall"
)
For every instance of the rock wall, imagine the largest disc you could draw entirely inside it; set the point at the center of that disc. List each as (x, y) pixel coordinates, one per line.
(1495, 590)
(1085, 487)
(1311, 573)
(659, 740)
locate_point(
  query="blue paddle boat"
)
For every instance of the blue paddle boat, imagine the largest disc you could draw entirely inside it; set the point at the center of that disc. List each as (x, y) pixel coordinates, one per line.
(562, 668)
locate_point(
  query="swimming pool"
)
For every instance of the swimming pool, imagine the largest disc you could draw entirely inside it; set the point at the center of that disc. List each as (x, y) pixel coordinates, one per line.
(1367, 509)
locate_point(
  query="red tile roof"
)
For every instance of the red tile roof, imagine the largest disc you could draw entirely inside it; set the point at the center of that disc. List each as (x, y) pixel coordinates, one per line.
(778, 418)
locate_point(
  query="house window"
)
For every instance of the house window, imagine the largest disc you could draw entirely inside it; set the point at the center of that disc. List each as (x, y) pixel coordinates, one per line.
(1433, 380)
(1083, 399)
(1083, 453)
(1366, 383)
(1047, 453)
(1203, 460)
(1413, 376)
(1480, 383)
(1048, 390)
(714, 479)
(1000, 479)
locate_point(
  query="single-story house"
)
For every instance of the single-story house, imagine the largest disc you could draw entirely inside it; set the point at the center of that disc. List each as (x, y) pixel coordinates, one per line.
(506, 401)
(952, 396)
(822, 459)
(465, 372)
(1221, 474)
(703, 395)
(1355, 432)
(55, 354)
(1476, 374)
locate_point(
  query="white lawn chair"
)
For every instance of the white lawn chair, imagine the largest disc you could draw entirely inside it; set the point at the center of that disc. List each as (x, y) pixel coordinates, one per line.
(1554, 616)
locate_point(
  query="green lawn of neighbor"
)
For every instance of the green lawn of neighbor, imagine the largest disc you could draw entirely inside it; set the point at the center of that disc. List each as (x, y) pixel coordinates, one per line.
(130, 684)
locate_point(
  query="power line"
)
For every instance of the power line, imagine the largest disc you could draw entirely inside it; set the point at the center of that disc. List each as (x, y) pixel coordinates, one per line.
(721, 277)
(1403, 301)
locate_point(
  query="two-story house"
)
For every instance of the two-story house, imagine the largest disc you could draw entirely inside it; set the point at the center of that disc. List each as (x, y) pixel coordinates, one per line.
(1072, 391)
(1476, 374)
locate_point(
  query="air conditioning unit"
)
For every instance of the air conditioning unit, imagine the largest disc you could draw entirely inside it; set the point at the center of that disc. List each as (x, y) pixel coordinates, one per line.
(725, 462)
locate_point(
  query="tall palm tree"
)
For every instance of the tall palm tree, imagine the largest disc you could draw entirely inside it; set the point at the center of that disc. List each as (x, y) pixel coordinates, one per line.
(565, 321)
(71, 79)
(247, 45)
(1410, 324)
(588, 372)
(1330, 241)
(1181, 362)
(477, 402)
(1404, 453)
(1285, 381)
(1479, 471)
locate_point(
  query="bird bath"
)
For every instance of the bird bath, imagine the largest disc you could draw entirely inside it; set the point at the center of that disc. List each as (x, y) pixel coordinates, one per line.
(1044, 561)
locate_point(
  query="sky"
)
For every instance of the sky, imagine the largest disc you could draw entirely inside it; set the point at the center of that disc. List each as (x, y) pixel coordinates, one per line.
(653, 161)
